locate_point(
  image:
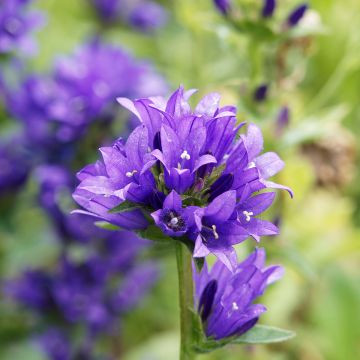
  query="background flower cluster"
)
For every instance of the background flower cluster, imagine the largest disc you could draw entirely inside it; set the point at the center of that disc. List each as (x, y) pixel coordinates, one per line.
(291, 68)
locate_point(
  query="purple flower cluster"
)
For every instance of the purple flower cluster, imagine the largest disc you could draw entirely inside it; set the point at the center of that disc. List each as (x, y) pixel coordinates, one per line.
(14, 163)
(17, 23)
(267, 11)
(225, 299)
(143, 15)
(57, 109)
(92, 293)
(188, 169)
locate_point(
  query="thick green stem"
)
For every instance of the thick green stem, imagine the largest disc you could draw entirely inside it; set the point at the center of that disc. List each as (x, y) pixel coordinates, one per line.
(186, 300)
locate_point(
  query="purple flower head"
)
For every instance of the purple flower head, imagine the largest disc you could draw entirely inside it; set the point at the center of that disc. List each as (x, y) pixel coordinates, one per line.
(40, 104)
(55, 186)
(91, 76)
(140, 14)
(108, 10)
(189, 170)
(268, 8)
(261, 92)
(58, 108)
(224, 6)
(55, 344)
(148, 16)
(15, 163)
(134, 287)
(31, 290)
(296, 15)
(16, 26)
(282, 120)
(225, 300)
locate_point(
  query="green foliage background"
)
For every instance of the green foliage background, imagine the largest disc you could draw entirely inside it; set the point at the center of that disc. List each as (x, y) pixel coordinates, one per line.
(319, 245)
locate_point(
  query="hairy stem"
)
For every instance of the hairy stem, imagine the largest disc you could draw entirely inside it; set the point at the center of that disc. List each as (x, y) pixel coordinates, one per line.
(186, 300)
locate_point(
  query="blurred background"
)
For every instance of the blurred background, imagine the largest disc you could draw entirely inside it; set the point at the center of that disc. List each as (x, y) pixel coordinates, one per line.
(73, 290)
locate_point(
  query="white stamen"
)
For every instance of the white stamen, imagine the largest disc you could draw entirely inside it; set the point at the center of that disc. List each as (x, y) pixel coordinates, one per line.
(174, 221)
(185, 156)
(248, 215)
(235, 306)
(130, 174)
(251, 165)
(216, 235)
(226, 156)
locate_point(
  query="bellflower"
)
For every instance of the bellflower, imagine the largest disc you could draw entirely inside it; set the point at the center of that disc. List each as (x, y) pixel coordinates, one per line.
(14, 163)
(282, 120)
(17, 23)
(190, 171)
(148, 16)
(296, 15)
(225, 300)
(58, 108)
(91, 293)
(261, 93)
(55, 186)
(224, 6)
(268, 8)
(143, 15)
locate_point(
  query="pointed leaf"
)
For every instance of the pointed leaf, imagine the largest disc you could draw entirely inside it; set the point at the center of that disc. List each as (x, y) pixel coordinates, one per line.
(263, 334)
(124, 207)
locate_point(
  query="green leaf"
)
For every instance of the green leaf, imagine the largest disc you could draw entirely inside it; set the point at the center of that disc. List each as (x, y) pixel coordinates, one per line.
(107, 226)
(259, 334)
(124, 207)
(263, 334)
(152, 232)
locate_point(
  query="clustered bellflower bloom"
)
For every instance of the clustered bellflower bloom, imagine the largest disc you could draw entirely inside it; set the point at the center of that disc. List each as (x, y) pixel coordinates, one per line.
(225, 300)
(17, 23)
(191, 170)
(92, 293)
(143, 15)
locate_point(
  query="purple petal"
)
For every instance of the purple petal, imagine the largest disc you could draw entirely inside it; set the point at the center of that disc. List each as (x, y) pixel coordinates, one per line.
(173, 201)
(221, 208)
(269, 164)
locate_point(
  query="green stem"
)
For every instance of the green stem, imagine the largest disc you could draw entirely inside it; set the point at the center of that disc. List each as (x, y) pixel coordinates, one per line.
(186, 300)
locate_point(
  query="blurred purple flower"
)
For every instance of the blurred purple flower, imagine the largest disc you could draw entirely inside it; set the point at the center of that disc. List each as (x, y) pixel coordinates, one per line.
(92, 293)
(108, 10)
(57, 109)
(179, 154)
(55, 344)
(268, 8)
(225, 300)
(261, 92)
(17, 23)
(296, 15)
(141, 14)
(282, 120)
(148, 16)
(32, 289)
(134, 287)
(15, 163)
(224, 6)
